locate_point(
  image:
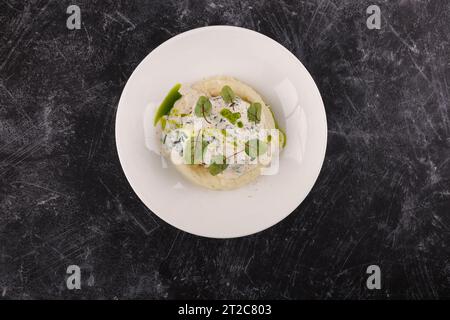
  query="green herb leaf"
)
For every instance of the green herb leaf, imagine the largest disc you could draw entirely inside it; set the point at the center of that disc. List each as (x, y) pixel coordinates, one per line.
(227, 94)
(282, 134)
(240, 124)
(167, 103)
(217, 165)
(230, 116)
(195, 149)
(255, 148)
(254, 112)
(203, 107)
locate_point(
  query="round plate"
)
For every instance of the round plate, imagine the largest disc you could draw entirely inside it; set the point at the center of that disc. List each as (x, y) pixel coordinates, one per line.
(283, 82)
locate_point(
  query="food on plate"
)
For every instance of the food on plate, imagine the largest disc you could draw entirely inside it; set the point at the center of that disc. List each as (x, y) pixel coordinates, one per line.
(218, 132)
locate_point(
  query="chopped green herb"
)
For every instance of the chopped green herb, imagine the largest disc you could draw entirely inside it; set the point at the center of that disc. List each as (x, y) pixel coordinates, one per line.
(167, 103)
(218, 165)
(229, 115)
(255, 148)
(203, 107)
(240, 124)
(174, 123)
(269, 138)
(227, 94)
(254, 112)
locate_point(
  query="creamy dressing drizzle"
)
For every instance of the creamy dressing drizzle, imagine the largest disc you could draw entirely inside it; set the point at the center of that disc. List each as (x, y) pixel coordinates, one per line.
(231, 144)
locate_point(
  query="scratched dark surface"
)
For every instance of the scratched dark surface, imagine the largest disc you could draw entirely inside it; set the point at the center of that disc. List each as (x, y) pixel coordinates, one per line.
(383, 196)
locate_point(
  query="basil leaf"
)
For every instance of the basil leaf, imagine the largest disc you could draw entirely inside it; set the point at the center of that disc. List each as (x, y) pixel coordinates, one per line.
(203, 107)
(227, 94)
(217, 165)
(254, 112)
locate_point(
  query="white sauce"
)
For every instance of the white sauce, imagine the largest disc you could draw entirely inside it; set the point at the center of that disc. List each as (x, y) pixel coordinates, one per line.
(182, 123)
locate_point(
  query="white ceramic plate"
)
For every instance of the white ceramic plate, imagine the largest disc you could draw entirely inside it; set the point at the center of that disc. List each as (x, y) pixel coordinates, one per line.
(283, 82)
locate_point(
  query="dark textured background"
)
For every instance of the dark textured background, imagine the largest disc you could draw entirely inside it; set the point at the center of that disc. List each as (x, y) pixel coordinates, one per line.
(383, 196)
